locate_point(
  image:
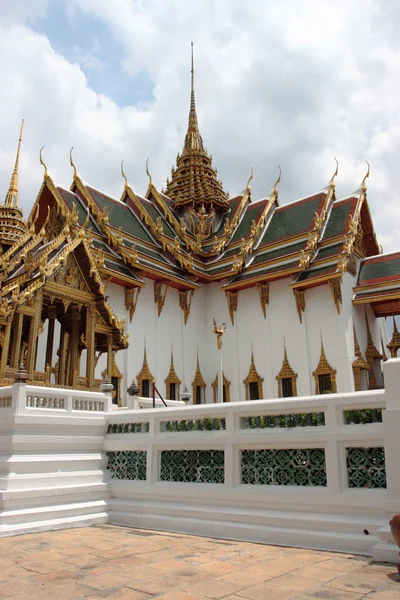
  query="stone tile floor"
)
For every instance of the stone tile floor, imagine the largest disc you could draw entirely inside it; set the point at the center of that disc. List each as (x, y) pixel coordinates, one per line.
(130, 564)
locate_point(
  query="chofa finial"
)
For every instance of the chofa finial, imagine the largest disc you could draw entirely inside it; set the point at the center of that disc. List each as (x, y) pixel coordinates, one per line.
(148, 172)
(71, 162)
(364, 184)
(332, 182)
(277, 182)
(123, 175)
(248, 187)
(46, 172)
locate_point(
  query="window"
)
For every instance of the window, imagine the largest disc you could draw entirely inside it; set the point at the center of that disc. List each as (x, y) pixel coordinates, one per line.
(146, 388)
(115, 382)
(253, 390)
(198, 394)
(324, 383)
(287, 387)
(172, 391)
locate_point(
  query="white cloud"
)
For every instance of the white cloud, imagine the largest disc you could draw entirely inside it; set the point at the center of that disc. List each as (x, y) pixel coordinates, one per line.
(281, 82)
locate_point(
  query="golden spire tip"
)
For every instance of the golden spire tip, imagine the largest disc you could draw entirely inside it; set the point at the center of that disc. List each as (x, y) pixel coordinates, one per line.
(336, 171)
(12, 197)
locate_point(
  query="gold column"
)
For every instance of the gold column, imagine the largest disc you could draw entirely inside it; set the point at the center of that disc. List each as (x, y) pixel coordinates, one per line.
(62, 355)
(73, 343)
(109, 356)
(90, 344)
(5, 349)
(16, 342)
(33, 334)
(52, 312)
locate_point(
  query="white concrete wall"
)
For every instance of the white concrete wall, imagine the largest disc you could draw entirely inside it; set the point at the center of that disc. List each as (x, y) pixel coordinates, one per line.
(53, 469)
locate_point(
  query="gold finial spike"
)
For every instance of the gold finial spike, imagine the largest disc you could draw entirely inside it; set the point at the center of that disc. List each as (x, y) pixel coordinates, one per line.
(71, 162)
(12, 197)
(332, 182)
(124, 176)
(395, 325)
(148, 173)
(46, 172)
(277, 182)
(248, 186)
(364, 184)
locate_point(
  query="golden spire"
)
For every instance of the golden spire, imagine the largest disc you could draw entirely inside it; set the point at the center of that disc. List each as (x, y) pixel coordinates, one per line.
(193, 139)
(394, 343)
(12, 197)
(194, 181)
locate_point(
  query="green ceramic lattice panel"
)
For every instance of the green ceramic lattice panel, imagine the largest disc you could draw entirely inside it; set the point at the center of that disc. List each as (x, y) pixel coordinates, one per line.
(272, 421)
(197, 425)
(364, 416)
(284, 467)
(127, 464)
(194, 466)
(366, 467)
(128, 428)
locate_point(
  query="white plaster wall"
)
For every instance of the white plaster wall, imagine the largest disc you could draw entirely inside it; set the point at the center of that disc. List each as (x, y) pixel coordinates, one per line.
(250, 329)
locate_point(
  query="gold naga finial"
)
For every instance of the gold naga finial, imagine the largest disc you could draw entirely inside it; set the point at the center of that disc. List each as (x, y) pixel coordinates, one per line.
(332, 181)
(12, 197)
(46, 172)
(277, 182)
(71, 162)
(148, 173)
(364, 185)
(123, 175)
(248, 186)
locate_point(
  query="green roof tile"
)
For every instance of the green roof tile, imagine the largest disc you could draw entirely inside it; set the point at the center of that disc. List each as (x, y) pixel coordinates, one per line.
(328, 251)
(70, 199)
(120, 215)
(292, 219)
(311, 274)
(388, 267)
(338, 218)
(278, 252)
(252, 212)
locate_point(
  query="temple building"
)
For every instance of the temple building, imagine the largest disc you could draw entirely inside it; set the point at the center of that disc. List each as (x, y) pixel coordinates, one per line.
(91, 286)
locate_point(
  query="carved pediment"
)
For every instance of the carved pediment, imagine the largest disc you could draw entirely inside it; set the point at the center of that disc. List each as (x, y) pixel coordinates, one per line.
(70, 275)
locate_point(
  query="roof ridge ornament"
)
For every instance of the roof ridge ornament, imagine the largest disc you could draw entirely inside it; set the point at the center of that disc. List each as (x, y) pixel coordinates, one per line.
(148, 173)
(248, 186)
(332, 181)
(123, 174)
(277, 182)
(364, 184)
(46, 172)
(71, 162)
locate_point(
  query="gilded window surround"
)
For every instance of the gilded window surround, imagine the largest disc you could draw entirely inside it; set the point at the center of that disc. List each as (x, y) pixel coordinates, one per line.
(172, 378)
(198, 381)
(144, 373)
(324, 368)
(253, 377)
(227, 386)
(286, 372)
(359, 364)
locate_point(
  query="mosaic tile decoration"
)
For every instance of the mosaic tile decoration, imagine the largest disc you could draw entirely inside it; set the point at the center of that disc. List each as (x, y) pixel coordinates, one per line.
(284, 467)
(272, 421)
(194, 466)
(127, 464)
(366, 467)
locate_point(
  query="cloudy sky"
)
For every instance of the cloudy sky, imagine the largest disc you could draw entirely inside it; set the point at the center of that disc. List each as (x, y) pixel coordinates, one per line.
(284, 82)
